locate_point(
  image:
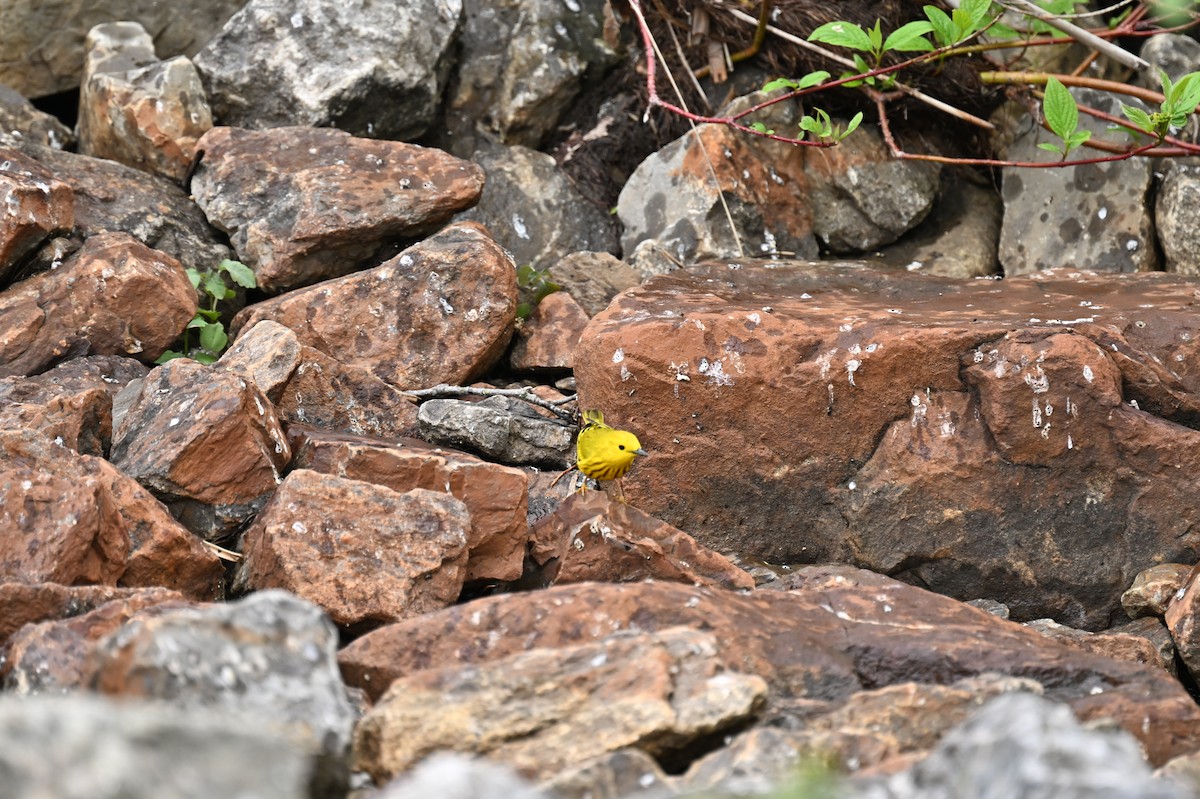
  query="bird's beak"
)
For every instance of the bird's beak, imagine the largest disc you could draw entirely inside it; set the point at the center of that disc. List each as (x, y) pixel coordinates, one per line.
(640, 451)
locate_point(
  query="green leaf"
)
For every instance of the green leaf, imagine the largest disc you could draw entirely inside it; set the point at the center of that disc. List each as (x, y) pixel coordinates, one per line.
(876, 37)
(214, 285)
(1187, 93)
(194, 277)
(812, 79)
(854, 123)
(842, 34)
(910, 38)
(213, 338)
(1138, 117)
(241, 274)
(1077, 138)
(761, 128)
(524, 309)
(976, 11)
(203, 357)
(169, 355)
(780, 83)
(1062, 115)
(1054, 148)
(944, 30)
(201, 319)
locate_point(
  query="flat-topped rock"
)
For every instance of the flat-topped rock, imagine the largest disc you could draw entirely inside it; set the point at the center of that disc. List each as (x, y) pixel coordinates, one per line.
(1024, 440)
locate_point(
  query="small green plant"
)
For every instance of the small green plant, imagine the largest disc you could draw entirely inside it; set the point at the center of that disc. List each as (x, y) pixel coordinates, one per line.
(533, 285)
(211, 337)
(1180, 100)
(1062, 116)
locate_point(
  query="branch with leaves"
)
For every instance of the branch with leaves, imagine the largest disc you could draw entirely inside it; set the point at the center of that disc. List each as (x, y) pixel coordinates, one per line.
(943, 35)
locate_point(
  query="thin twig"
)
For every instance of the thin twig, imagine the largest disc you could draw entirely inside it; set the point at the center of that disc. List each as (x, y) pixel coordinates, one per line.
(1084, 37)
(526, 394)
(651, 51)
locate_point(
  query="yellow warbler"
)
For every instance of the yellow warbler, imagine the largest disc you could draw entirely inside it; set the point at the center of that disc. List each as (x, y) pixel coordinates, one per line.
(603, 452)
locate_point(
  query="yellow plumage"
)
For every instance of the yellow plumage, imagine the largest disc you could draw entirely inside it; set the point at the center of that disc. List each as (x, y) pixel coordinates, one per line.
(603, 452)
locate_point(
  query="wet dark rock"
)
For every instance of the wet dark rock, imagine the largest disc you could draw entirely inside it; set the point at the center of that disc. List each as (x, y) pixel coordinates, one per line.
(501, 428)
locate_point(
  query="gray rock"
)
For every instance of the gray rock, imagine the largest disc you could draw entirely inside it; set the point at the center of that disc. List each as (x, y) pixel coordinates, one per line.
(504, 429)
(1177, 215)
(1095, 216)
(522, 63)
(533, 211)
(373, 69)
(1023, 745)
(83, 747)
(20, 119)
(593, 278)
(450, 775)
(675, 212)
(861, 197)
(41, 44)
(1174, 53)
(624, 774)
(959, 236)
(271, 656)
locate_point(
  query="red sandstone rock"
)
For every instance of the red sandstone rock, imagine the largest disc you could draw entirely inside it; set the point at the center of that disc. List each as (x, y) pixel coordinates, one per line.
(546, 342)
(55, 655)
(38, 206)
(496, 496)
(115, 296)
(33, 603)
(76, 520)
(440, 312)
(836, 632)
(307, 204)
(205, 441)
(310, 388)
(979, 438)
(661, 692)
(591, 537)
(72, 403)
(362, 552)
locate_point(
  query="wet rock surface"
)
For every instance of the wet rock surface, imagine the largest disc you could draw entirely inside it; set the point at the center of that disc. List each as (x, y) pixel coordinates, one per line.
(896, 391)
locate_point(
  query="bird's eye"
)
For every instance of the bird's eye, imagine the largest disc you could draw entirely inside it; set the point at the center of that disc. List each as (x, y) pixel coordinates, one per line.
(620, 446)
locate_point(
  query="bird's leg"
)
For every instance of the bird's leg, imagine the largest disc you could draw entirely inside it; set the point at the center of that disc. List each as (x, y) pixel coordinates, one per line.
(620, 491)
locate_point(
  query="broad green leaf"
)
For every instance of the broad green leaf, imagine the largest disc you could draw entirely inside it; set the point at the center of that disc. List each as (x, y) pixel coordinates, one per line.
(910, 37)
(943, 28)
(1054, 148)
(203, 357)
(1062, 115)
(780, 83)
(761, 128)
(810, 125)
(976, 11)
(524, 310)
(169, 355)
(213, 337)
(214, 285)
(1138, 117)
(241, 274)
(842, 34)
(1187, 93)
(812, 79)
(201, 319)
(194, 277)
